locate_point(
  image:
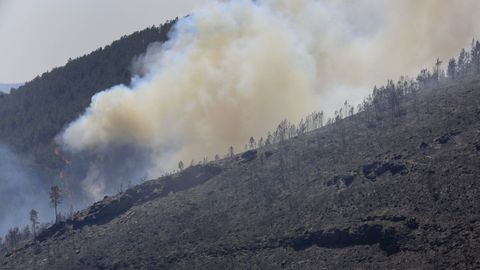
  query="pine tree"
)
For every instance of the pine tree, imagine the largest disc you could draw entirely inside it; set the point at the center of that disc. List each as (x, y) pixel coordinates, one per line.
(452, 69)
(180, 165)
(34, 221)
(475, 55)
(55, 199)
(252, 143)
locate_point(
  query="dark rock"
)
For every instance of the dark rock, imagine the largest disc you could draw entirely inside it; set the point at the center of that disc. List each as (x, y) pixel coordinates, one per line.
(249, 156)
(443, 139)
(454, 132)
(341, 238)
(376, 169)
(369, 170)
(389, 242)
(412, 223)
(394, 168)
(346, 180)
(392, 218)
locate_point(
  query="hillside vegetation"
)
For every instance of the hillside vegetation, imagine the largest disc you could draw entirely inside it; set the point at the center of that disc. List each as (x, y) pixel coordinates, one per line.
(32, 115)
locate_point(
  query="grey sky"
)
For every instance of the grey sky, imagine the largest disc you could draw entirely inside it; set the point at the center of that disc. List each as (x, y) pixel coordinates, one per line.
(37, 35)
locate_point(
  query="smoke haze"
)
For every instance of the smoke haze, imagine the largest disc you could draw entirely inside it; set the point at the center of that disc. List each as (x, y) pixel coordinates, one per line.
(236, 68)
(20, 192)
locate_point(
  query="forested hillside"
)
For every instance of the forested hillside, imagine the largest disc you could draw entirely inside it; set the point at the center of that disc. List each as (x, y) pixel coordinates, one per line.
(31, 116)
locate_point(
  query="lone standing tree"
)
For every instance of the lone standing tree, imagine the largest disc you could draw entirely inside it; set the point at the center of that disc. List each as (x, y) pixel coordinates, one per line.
(252, 143)
(180, 165)
(55, 199)
(34, 220)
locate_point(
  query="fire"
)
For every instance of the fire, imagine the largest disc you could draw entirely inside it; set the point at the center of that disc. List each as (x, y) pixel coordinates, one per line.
(65, 160)
(57, 153)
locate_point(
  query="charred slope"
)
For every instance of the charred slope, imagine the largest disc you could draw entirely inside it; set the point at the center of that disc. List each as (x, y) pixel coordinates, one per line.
(400, 194)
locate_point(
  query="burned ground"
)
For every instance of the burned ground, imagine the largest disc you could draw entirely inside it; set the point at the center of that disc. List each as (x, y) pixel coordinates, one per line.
(400, 194)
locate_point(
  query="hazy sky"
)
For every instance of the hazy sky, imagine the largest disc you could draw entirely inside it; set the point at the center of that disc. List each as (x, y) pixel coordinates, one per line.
(37, 35)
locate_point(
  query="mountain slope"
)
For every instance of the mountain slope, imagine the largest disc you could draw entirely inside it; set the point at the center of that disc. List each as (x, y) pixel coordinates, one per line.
(32, 115)
(400, 193)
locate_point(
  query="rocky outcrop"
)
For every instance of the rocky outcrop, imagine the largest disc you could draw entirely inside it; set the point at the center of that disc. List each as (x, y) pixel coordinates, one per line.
(376, 169)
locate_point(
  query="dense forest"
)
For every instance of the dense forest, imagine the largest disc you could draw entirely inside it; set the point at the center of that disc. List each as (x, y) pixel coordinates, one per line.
(32, 115)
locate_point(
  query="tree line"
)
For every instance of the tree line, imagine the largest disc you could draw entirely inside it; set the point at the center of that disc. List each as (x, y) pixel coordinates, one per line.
(384, 102)
(17, 236)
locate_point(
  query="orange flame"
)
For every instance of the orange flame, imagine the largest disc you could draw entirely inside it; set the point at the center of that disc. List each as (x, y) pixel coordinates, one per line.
(57, 153)
(66, 161)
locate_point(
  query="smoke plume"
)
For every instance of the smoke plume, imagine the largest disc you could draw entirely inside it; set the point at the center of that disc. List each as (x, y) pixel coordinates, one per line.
(236, 68)
(20, 191)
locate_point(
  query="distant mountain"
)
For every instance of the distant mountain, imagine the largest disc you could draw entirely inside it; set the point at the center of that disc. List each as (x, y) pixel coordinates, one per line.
(5, 87)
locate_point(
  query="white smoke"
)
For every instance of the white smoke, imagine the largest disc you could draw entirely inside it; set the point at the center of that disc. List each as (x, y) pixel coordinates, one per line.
(236, 68)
